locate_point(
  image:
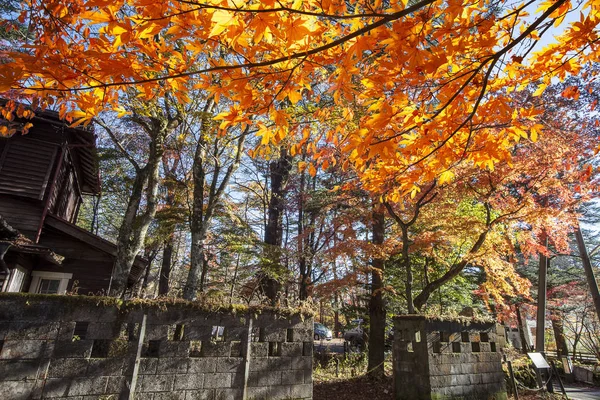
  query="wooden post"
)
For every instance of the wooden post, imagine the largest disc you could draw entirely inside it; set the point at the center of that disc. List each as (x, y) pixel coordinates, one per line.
(512, 378)
(138, 356)
(562, 387)
(541, 302)
(247, 360)
(589, 272)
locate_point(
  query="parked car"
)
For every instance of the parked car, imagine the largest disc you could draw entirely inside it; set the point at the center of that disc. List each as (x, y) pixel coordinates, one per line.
(322, 332)
(355, 335)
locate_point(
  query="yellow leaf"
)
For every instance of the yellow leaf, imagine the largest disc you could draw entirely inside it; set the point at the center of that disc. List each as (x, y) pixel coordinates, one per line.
(446, 176)
(534, 135)
(222, 20)
(312, 170)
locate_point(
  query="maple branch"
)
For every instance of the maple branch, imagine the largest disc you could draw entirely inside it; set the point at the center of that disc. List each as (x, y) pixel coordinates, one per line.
(281, 8)
(283, 59)
(493, 59)
(119, 145)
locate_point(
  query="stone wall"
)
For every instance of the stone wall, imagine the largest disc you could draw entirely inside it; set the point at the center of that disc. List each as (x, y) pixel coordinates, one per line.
(79, 348)
(437, 359)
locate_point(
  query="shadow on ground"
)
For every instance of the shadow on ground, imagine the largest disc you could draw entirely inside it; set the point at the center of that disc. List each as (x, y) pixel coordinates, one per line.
(360, 388)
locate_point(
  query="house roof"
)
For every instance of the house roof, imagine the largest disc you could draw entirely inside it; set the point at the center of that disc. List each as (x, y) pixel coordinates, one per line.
(21, 244)
(95, 241)
(82, 145)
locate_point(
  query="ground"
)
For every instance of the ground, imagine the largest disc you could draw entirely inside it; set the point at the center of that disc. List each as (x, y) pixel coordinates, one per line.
(362, 388)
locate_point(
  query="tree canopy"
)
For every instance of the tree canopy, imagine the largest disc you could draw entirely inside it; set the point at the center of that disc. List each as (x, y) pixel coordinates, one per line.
(405, 89)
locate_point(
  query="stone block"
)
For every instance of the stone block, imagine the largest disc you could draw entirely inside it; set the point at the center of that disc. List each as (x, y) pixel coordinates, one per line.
(67, 367)
(230, 364)
(302, 334)
(259, 364)
(301, 363)
(280, 392)
(96, 314)
(189, 381)
(105, 367)
(158, 332)
(204, 394)
(32, 330)
(216, 349)
(292, 349)
(16, 370)
(259, 349)
(258, 393)
(73, 349)
(301, 391)
(201, 365)
(441, 381)
(148, 366)
(88, 386)
(236, 333)
(281, 363)
(141, 396)
(65, 331)
(238, 349)
(24, 349)
(55, 387)
(202, 333)
(116, 384)
(266, 378)
(293, 377)
(307, 349)
(175, 349)
(157, 383)
(228, 394)
(103, 330)
(273, 334)
(308, 377)
(172, 365)
(15, 390)
(175, 395)
(217, 380)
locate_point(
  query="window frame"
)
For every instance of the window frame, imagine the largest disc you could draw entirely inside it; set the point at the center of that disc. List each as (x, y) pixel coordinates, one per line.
(38, 276)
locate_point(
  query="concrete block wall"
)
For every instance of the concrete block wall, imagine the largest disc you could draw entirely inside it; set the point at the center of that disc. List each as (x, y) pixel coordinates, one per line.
(78, 348)
(441, 359)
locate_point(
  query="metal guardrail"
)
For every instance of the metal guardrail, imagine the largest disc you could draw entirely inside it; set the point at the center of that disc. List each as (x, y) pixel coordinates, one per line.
(585, 357)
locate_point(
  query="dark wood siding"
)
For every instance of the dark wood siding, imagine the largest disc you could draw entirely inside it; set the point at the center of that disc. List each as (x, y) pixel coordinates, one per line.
(91, 268)
(25, 167)
(65, 199)
(22, 214)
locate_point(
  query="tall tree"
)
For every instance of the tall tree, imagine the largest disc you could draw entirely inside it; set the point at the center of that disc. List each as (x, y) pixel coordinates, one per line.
(217, 154)
(158, 120)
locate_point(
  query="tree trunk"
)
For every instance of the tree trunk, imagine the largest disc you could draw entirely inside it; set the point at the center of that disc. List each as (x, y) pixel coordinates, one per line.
(165, 268)
(203, 274)
(453, 272)
(271, 268)
(541, 301)
(589, 272)
(132, 233)
(524, 344)
(207, 192)
(376, 303)
(559, 336)
(408, 268)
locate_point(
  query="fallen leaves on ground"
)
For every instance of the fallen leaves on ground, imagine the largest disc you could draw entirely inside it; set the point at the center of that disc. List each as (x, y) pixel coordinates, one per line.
(359, 388)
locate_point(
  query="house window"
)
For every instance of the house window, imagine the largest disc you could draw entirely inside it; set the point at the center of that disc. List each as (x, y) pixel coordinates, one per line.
(14, 281)
(48, 286)
(45, 282)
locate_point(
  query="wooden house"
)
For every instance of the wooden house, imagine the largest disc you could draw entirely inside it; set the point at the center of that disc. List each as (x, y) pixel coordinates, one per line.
(43, 176)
